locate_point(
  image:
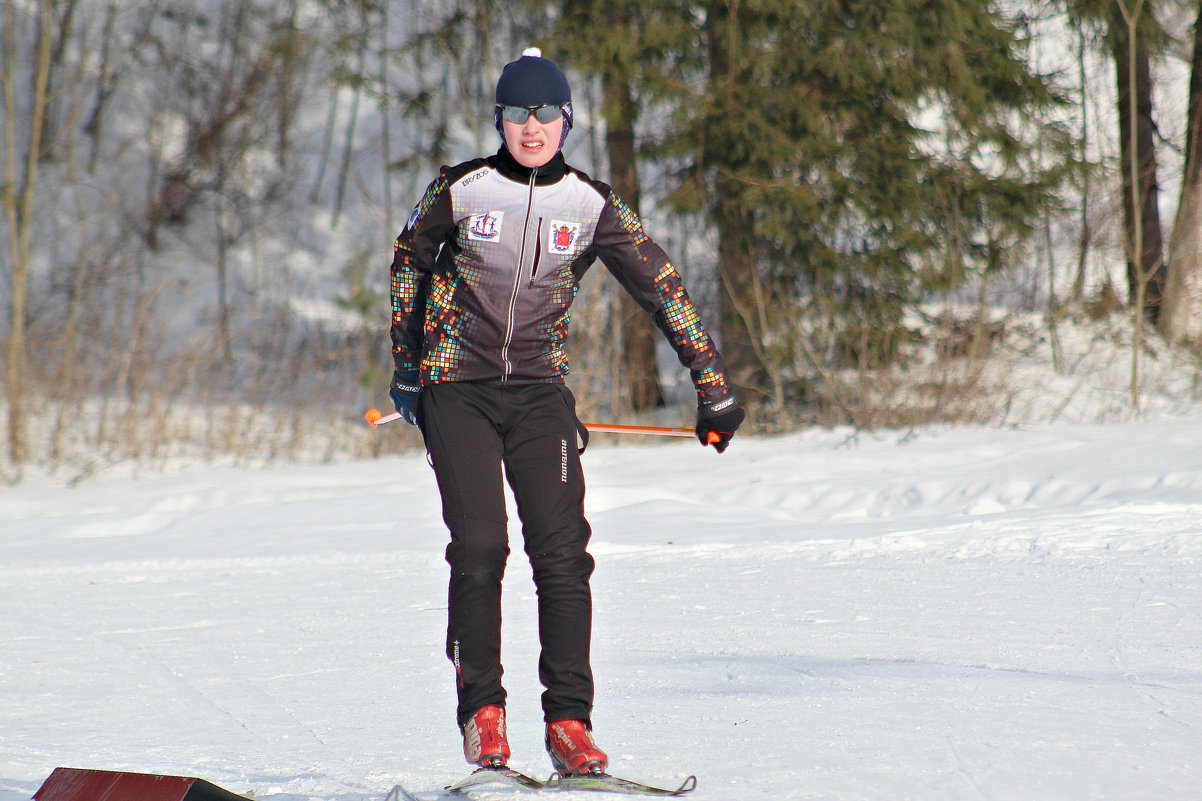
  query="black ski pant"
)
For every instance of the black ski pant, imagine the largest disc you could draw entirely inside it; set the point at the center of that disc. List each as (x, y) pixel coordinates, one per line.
(473, 432)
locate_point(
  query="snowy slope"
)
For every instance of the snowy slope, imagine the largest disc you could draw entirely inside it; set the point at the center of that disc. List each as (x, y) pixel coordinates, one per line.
(940, 614)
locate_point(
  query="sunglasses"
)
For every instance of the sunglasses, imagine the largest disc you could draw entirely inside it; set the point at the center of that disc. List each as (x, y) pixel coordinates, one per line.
(519, 114)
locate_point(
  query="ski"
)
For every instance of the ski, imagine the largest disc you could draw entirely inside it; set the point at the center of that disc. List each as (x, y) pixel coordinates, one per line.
(496, 776)
(605, 783)
(594, 782)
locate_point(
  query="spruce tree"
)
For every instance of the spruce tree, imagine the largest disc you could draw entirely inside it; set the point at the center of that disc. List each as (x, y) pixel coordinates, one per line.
(851, 156)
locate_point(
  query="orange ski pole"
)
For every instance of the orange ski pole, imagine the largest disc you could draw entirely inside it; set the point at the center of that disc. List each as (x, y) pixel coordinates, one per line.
(375, 419)
(655, 431)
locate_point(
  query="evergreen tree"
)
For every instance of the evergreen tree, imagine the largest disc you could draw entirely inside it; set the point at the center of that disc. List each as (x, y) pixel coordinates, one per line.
(850, 156)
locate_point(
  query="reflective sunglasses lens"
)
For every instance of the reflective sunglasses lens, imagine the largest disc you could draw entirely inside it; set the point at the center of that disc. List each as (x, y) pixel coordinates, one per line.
(545, 114)
(519, 114)
(515, 114)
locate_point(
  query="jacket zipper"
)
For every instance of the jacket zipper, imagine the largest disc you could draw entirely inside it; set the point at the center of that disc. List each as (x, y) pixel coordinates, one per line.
(510, 322)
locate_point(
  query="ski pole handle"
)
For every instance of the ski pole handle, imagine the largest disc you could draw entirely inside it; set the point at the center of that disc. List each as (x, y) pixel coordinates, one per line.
(375, 419)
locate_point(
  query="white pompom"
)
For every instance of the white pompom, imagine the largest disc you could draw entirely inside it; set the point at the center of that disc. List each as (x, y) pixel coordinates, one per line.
(532, 51)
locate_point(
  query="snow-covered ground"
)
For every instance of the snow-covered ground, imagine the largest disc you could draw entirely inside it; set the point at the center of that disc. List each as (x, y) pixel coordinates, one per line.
(944, 613)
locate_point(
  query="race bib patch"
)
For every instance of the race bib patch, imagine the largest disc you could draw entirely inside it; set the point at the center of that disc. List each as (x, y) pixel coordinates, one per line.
(485, 227)
(563, 236)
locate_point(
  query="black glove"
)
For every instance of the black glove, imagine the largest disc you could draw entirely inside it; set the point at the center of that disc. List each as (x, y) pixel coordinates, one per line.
(404, 390)
(718, 422)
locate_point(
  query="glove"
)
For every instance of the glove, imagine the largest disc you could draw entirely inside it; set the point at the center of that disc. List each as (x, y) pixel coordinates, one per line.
(718, 422)
(404, 391)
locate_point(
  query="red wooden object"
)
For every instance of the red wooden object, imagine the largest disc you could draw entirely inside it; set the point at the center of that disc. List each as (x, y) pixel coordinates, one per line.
(76, 784)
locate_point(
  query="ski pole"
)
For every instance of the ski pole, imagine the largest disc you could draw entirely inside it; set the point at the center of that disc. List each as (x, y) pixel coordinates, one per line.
(375, 419)
(655, 431)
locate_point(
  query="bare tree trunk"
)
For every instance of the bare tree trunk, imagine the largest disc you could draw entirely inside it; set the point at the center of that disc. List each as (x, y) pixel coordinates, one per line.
(348, 147)
(66, 379)
(385, 120)
(62, 27)
(222, 236)
(1086, 237)
(286, 103)
(18, 206)
(640, 376)
(737, 264)
(106, 85)
(1182, 320)
(1141, 190)
(327, 143)
(1145, 255)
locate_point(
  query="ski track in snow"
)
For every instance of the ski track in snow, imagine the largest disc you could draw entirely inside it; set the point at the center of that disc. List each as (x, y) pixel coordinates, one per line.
(937, 614)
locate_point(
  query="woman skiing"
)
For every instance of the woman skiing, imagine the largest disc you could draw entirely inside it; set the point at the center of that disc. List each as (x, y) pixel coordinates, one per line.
(483, 278)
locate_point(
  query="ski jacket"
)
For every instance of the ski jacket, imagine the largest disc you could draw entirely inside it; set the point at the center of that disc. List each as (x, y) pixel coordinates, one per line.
(485, 271)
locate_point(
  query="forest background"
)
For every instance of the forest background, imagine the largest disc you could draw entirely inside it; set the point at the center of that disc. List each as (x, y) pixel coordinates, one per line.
(866, 199)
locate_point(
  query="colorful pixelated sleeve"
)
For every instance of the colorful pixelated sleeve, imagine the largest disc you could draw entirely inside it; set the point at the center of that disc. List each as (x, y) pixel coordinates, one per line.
(413, 257)
(644, 270)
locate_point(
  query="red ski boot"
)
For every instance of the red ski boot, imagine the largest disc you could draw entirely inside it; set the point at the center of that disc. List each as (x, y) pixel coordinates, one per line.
(484, 742)
(572, 750)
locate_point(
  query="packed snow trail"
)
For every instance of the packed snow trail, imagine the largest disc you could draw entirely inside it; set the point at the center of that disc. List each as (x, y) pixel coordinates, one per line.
(936, 614)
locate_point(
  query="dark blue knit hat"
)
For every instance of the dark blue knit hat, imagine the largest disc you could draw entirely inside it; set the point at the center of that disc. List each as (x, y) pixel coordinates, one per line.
(532, 81)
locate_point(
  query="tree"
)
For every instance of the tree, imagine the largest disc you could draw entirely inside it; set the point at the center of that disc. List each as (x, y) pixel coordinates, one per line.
(1131, 33)
(638, 363)
(22, 154)
(1145, 255)
(235, 101)
(621, 43)
(1181, 320)
(851, 156)
(1137, 147)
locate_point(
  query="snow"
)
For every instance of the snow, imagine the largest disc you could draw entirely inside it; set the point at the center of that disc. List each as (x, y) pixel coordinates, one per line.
(940, 613)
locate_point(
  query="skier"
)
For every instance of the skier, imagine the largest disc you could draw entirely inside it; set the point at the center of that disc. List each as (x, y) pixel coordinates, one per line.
(483, 277)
